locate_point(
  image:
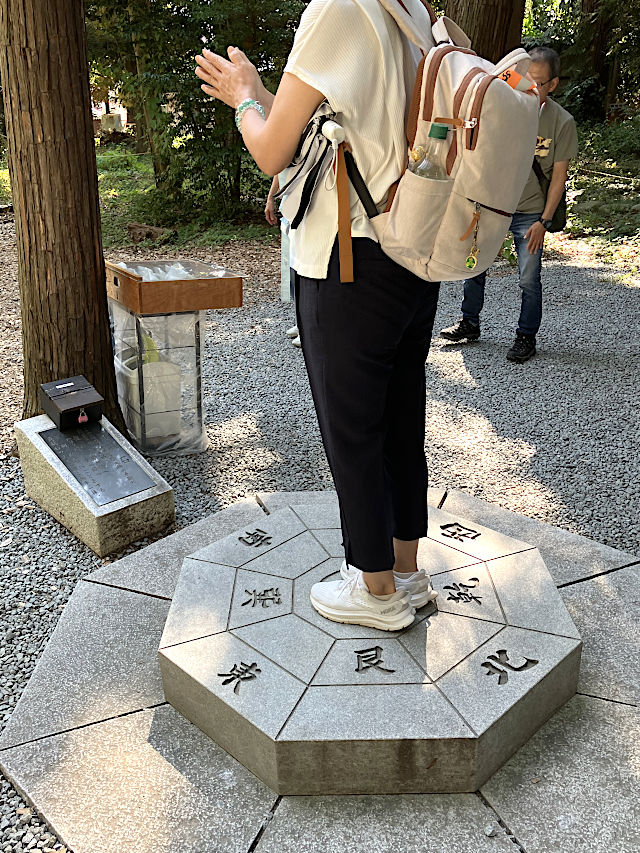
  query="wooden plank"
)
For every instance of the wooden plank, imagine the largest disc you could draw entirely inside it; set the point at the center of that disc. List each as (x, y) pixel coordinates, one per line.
(123, 287)
(172, 297)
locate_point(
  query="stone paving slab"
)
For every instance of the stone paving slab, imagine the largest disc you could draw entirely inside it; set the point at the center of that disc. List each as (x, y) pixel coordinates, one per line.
(606, 611)
(293, 644)
(432, 556)
(397, 667)
(250, 604)
(528, 595)
(145, 783)
(201, 602)
(568, 556)
(482, 696)
(331, 541)
(99, 662)
(266, 702)
(293, 558)
(370, 702)
(241, 546)
(195, 801)
(435, 558)
(478, 541)
(469, 592)
(154, 570)
(438, 644)
(433, 823)
(574, 785)
(274, 501)
(371, 712)
(319, 516)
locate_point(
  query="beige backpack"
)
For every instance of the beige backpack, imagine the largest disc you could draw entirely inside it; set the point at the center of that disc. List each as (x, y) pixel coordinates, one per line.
(447, 230)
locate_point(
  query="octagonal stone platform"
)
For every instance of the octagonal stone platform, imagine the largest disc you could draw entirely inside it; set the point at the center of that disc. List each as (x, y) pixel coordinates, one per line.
(317, 707)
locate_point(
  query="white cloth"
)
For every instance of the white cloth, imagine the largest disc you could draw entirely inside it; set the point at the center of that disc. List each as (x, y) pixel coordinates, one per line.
(353, 52)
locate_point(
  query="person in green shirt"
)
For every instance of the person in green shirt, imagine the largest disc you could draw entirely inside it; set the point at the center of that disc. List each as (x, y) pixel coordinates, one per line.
(557, 144)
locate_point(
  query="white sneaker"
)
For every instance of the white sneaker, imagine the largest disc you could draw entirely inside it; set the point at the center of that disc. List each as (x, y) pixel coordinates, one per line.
(416, 584)
(350, 601)
(292, 332)
(297, 342)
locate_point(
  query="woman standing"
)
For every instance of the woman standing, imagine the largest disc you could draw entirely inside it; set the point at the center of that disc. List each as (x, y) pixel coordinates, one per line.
(365, 343)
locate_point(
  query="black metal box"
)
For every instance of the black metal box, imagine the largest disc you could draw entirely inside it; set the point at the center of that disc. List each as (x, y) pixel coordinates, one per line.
(71, 402)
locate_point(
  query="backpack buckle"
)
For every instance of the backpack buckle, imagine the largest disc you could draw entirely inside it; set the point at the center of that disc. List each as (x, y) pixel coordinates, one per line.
(471, 122)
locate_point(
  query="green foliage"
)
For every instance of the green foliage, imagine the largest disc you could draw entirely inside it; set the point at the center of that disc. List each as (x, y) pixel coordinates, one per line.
(5, 184)
(605, 197)
(619, 141)
(508, 251)
(600, 52)
(128, 193)
(147, 49)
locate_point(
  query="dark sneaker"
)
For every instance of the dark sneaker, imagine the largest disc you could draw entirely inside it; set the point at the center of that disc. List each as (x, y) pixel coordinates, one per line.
(464, 330)
(523, 348)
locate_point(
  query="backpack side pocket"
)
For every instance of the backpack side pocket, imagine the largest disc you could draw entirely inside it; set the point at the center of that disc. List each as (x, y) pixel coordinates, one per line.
(408, 232)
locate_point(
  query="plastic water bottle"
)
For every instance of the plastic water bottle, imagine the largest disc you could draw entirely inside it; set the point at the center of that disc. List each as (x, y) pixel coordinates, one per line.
(429, 160)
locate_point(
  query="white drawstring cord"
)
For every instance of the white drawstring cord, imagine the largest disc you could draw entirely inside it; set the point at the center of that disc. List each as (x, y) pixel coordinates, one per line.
(332, 174)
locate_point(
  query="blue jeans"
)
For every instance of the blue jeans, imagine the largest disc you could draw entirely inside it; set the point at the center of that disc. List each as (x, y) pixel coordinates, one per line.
(530, 281)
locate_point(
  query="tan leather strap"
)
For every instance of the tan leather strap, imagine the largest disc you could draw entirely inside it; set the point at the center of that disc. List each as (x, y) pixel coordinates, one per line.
(476, 109)
(345, 246)
(467, 80)
(454, 122)
(432, 74)
(470, 229)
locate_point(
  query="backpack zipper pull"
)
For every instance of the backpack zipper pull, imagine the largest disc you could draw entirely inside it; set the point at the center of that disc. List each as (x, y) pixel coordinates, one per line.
(472, 259)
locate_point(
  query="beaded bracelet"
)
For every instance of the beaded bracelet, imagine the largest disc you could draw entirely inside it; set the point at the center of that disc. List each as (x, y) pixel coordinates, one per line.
(247, 104)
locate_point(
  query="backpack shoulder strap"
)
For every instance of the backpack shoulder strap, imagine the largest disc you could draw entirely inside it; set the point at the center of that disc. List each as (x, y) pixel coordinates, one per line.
(415, 19)
(445, 29)
(537, 168)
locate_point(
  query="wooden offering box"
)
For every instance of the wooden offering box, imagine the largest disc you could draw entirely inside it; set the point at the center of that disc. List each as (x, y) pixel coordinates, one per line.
(214, 287)
(71, 402)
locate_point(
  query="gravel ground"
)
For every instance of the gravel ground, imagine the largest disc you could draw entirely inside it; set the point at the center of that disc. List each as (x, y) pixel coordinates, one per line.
(555, 439)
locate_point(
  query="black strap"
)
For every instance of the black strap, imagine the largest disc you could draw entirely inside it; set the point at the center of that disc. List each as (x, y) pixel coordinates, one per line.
(540, 175)
(307, 192)
(359, 185)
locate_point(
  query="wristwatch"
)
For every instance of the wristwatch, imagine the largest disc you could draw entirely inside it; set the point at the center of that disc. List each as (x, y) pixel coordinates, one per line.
(546, 223)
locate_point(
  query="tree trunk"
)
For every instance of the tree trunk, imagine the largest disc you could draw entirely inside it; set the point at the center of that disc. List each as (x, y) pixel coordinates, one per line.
(160, 164)
(142, 143)
(494, 26)
(52, 165)
(612, 107)
(596, 22)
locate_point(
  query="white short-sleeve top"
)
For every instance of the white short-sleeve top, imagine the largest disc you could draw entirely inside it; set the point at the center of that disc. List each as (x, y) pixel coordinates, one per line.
(353, 52)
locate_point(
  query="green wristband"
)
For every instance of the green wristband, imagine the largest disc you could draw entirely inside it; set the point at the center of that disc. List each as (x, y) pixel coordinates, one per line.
(247, 104)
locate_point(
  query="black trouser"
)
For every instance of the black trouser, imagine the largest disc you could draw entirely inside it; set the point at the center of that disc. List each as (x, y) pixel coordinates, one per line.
(365, 345)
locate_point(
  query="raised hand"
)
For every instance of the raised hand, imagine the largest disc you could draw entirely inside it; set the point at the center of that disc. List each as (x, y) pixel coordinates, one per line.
(229, 80)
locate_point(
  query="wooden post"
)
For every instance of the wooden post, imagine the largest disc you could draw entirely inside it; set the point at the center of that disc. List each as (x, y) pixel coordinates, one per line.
(52, 165)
